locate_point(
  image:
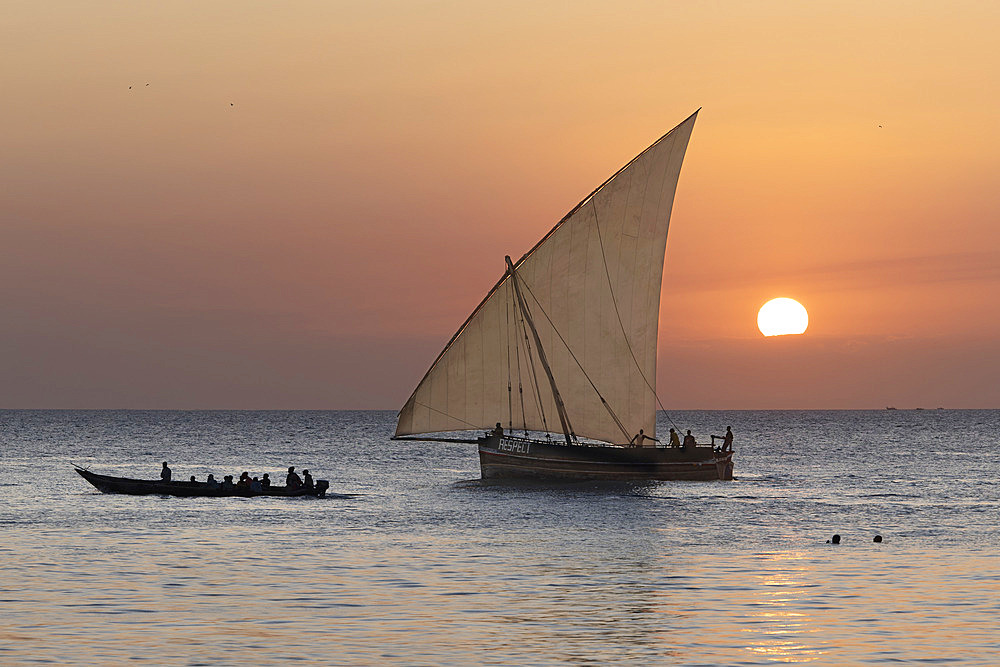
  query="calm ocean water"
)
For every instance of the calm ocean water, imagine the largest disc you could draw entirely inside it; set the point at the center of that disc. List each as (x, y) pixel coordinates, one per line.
(430, 566)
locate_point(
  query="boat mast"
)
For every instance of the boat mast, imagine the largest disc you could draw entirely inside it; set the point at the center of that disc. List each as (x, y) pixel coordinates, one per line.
(560, 407)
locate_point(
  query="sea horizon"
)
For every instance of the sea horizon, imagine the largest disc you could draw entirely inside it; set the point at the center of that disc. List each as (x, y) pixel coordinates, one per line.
(866, 409)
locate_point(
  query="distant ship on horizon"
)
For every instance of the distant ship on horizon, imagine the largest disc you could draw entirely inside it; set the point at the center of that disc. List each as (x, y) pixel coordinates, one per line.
(558, 362)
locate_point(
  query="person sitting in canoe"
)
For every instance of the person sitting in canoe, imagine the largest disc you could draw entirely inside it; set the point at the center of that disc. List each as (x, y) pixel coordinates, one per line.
(256, 486)
(292, 479)
(244, 480)
(307, 479)
(265, 481)
(689, 440)
(165, 473)
(675, 440)
(212, 482)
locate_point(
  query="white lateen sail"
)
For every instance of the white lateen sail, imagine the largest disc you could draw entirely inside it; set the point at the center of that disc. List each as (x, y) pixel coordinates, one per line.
(590, 296)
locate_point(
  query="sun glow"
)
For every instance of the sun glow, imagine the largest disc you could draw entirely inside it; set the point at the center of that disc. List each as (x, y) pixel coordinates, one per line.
(782, 316)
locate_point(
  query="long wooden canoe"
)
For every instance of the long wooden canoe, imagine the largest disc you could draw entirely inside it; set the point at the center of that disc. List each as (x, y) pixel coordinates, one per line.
(141, 487)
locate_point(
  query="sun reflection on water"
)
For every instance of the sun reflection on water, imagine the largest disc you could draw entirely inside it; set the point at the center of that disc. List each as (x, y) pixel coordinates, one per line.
(778, 628)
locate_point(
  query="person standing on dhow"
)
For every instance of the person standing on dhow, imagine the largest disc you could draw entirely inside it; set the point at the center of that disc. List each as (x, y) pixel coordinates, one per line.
(165, 473)
(727, 440)
(689, 441)
(638, 438)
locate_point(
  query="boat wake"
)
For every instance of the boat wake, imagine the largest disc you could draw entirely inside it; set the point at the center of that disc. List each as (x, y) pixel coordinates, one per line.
(640, 488)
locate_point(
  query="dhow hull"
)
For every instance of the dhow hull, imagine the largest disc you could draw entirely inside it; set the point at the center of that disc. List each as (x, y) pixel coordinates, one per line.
(505, 457)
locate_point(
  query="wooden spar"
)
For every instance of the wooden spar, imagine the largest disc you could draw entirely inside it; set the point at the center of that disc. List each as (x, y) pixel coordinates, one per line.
(467, 441)
(560, 407)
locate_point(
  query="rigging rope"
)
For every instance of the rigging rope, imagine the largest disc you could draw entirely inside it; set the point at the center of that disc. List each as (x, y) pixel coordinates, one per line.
(442, 412)
(534, 376)
(614, 301)
(614, 416)
(510, 398)
(520, 386)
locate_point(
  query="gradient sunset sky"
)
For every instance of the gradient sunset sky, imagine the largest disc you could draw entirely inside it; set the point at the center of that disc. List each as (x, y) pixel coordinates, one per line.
(295, 205)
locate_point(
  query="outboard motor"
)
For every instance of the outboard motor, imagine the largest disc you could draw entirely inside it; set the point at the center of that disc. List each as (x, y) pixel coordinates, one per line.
(321, 486)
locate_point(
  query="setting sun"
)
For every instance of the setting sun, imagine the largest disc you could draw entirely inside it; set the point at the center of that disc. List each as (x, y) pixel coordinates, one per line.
(782, 316)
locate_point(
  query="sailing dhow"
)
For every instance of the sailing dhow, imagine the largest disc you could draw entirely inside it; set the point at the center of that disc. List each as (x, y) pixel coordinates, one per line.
(558, 363)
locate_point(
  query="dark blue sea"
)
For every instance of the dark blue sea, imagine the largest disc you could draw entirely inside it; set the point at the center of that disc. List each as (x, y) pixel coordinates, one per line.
(429, 566)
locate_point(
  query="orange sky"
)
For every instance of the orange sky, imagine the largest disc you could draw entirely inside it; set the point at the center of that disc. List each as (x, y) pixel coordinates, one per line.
(308, 198)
